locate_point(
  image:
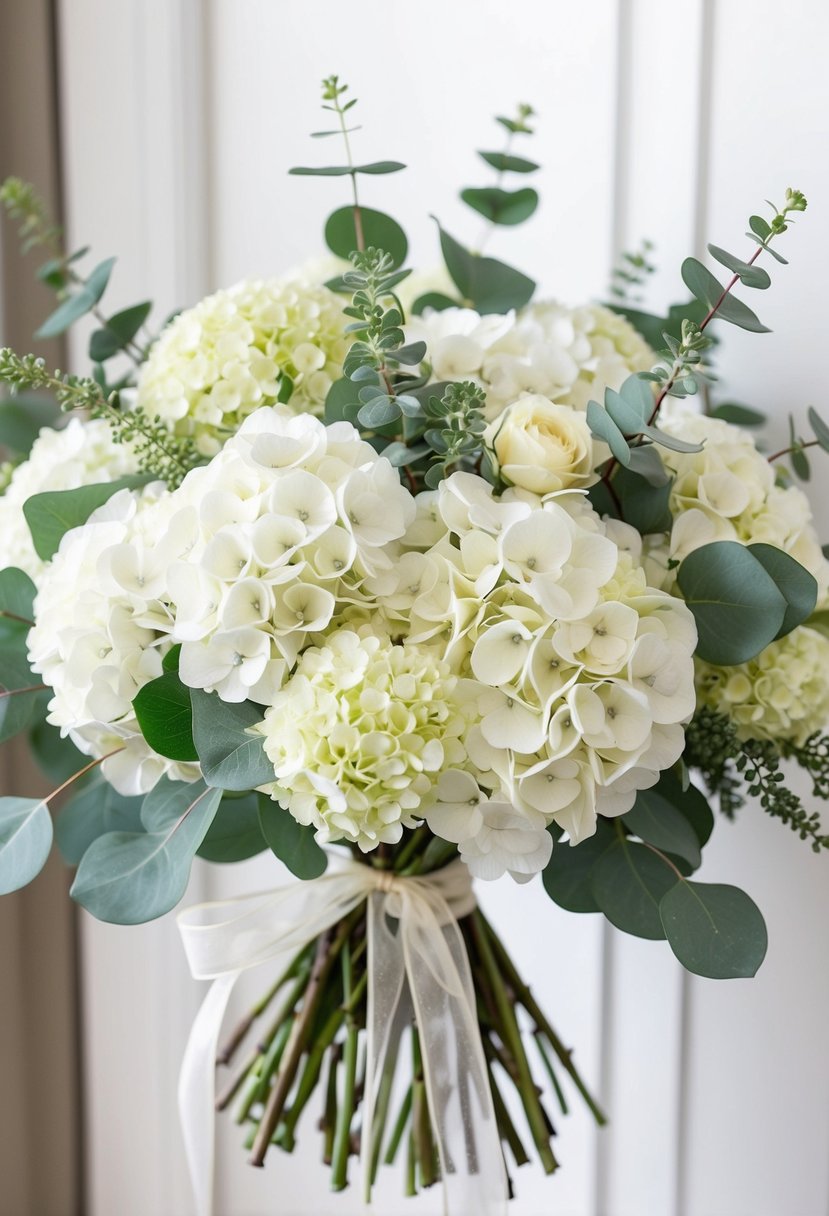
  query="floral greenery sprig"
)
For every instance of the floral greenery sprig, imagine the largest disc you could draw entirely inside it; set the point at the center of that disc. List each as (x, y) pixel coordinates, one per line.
(460, 412)
(678, 375)
(631, 274)
(168, 457)
(354, 227)
(735, 769)
(497, 205)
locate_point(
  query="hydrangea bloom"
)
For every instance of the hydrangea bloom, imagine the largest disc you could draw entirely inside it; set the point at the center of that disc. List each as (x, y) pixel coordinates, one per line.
(780, 695)
(231, 353)
(583, 674)
(79, 454)
(728, 491)
(358, 735)
(567, 355)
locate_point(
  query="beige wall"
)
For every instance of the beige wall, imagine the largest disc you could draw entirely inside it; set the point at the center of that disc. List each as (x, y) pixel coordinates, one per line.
(40, 1115)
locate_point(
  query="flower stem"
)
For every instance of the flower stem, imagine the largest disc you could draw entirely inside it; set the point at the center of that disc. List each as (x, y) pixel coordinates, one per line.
(345, 1114)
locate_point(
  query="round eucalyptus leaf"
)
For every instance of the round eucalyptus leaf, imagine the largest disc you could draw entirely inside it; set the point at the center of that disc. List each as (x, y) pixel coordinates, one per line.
(379, 230)
(628, 883)
(293, 843)
(714, 930)
(25, 841)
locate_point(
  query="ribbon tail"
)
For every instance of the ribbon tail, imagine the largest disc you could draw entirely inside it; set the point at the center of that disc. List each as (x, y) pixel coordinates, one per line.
(197, 1088)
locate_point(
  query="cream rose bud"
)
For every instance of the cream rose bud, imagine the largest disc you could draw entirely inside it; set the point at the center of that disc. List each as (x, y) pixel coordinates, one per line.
(541, 446)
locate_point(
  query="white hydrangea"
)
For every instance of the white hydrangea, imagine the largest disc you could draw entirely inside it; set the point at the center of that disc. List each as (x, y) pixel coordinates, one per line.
(79, 454)
(728, 491)
(781, 695)
(95, 643)
(359, 734)
(567, 355)
(584, 673)
(227, 356)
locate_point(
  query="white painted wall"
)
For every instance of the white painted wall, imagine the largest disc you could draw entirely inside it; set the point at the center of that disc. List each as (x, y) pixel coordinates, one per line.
(673, 122)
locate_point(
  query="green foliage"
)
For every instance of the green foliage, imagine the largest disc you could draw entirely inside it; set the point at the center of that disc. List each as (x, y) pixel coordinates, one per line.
(22, 417)
(714, 930)
(79, 303)
(456, 439)
(164, 714)
(118, 332)
(702, 284)
(24, 205)
(96, 808)
(127, 878)
(738, 415)
(231, 757)
(160, 454)
(663, 822)
(53, 513)
(484, 283)
(796, 451)
(56, 755)
(20, 689)
(566, 876)
(376, 229)
(293, 843)
(797, 586)
(17, 595)
(235, 834)
(737, 605)
(634, 497)
(25, 841)
(628, 883)
(630, 276)
(500, 206)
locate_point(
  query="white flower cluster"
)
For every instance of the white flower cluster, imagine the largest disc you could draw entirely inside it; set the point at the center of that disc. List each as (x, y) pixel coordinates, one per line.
(96, 643)
(359, 734)
(567, 355)
(79, 454)
(781, 695)
(243, 348)
(582, 674)
(244, 564)
(727, 491)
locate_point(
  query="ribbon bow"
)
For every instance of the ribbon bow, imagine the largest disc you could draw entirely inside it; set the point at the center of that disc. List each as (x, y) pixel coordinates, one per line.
(427, 953)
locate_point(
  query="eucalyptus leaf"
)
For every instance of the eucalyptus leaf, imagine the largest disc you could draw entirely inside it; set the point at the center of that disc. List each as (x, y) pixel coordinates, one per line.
(819, 427)
(501, 206)
(714, 930)
(231, 757)
(22, 417)
(127, 878)
(435, 300)
(379, 230)
(699, 280)
(235, 834)
(17, 594)
(489, 285)
(25, 841)
(653, 819)
(737, 606)
(797, 586)
(95, 809)
(628, 884)
(739, 415)
(51, 514)
(604, 428)
(79, 304)
(293, 843)
(56, 755)
(566, 876)
(750, 276)
(506, 163)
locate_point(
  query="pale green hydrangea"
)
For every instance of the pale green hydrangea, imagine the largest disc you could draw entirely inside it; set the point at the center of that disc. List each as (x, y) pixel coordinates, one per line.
(248, 346)
(359, 735)
(781, 695)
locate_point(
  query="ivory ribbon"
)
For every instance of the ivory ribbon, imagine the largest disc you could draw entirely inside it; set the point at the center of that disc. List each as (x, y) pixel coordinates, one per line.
(426, 953)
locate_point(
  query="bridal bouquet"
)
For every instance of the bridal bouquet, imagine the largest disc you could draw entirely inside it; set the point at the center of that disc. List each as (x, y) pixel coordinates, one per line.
(411, 579)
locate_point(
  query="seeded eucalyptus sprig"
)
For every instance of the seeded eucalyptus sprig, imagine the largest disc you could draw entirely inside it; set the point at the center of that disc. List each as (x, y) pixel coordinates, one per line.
(168, 457)
(354, 227)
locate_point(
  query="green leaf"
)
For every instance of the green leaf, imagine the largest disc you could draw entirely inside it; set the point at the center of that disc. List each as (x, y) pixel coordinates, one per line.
(374, 168)
(22, 418)
(627, 417)
(235, 834)
(342, 401)
(797, 586)
(292, 842)
(603, 427)
(736, 603)
(378, 167)
(706, 288)
(501, 206)
(119, 331)
(77, 305)
(750, 276)
(20, 688)
(644, 505)
(433, 299)
(819, 427)
(127, 878)
(17, 594)
(379, 230)
(670, 441)
(760, 227)
(628, 883)
(163, 710)
(566, 876)
(171, 658)
(714, 930)
(378, 412)
(656, 821)
(53, 513)
(505, 163)
(689, 801)
(25, 841)
(56, 756)
(231, 758)
(94, 810)
(489, 285)
(738, 415)
(646, 462)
